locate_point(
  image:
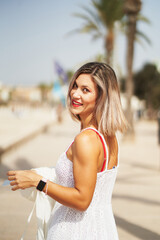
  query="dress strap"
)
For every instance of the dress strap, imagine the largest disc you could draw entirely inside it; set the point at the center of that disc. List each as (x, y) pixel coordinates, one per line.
(105, 148)
(69, 146)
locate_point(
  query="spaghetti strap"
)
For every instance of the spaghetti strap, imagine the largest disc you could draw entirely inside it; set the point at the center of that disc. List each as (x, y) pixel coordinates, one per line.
(105, 148)
(69, 146)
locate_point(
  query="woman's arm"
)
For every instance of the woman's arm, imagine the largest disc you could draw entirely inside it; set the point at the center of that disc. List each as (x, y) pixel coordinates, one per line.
(85, 154)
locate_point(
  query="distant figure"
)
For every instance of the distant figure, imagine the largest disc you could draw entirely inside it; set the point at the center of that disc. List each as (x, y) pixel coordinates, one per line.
(59, 111)
(86, 171)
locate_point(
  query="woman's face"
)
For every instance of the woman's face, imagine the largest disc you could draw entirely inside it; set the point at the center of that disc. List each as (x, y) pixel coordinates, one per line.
(83, 96)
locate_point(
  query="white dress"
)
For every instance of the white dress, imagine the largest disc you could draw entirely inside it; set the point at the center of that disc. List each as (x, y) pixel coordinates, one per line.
(97, 222)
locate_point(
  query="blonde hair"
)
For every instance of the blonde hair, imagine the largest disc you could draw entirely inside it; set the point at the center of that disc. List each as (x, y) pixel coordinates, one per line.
(108, 111)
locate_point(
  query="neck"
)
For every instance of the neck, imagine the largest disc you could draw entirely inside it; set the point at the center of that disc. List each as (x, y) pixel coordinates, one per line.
(88, 122)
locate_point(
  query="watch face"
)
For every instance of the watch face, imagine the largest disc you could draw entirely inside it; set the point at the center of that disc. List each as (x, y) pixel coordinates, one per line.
(41, 185)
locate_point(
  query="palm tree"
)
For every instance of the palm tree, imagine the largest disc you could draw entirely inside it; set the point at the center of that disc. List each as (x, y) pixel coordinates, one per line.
(132, 9)
(45, 89)
(100, 22)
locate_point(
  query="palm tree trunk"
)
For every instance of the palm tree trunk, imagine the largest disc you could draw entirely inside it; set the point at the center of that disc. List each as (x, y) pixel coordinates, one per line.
(132, 8)
(129, 65)
(109, 45)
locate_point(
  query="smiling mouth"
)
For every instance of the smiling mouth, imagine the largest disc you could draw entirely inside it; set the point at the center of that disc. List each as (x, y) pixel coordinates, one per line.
(76, 104)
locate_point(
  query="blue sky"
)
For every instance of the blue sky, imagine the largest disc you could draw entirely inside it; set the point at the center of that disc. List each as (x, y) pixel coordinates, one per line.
(34, 34)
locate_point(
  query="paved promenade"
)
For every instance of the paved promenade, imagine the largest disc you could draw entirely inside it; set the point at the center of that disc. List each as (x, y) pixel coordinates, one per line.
(22, 123)
(136, 197)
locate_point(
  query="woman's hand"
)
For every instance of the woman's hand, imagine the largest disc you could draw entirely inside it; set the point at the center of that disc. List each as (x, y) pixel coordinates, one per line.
(23, 179)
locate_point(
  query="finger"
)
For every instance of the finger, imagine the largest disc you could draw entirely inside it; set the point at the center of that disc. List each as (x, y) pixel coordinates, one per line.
(15, 188)
(10, 178)
(13, 183)
(11, 173)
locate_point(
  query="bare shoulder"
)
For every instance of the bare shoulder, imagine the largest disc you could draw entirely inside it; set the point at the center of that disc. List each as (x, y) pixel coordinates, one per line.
(87, 137)
(87, 142)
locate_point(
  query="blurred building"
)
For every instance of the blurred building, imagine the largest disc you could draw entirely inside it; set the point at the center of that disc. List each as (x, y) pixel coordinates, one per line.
(5, 93)
(138, 106)
(26, 94)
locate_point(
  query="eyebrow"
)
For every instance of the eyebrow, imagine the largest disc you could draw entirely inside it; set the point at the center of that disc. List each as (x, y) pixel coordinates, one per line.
(84, 86)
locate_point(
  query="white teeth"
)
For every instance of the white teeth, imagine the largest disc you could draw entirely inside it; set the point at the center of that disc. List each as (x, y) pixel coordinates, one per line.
(77, 103)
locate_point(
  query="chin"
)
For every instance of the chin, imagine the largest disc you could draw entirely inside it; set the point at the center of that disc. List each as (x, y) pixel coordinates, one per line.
(75, 112)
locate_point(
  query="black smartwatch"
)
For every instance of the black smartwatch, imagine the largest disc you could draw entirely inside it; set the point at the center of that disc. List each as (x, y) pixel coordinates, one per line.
(41, 184)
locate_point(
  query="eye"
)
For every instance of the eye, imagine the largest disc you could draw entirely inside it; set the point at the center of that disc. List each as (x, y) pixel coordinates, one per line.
(85, 90)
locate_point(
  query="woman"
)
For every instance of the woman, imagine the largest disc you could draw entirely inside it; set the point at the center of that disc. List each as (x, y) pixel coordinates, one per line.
(86, 172)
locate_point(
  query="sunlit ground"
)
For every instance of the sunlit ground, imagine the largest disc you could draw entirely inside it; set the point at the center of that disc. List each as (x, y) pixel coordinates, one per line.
(136, 203)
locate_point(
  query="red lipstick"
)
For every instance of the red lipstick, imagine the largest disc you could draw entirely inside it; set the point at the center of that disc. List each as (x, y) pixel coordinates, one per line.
(76, 104)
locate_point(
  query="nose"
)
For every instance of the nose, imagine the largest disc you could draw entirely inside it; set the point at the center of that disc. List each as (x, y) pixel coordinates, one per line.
(76, 94)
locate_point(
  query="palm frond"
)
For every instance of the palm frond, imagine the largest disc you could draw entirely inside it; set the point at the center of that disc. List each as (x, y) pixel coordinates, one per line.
(143, 36)
(91, 24)
(88, 27)
(91, 14)
(142, 18)
(82, 16)
(138, 40)
(96, 35)
(107, 11)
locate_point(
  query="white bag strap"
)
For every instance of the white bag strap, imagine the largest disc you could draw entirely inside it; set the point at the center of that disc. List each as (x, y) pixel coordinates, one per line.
(28, 221)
